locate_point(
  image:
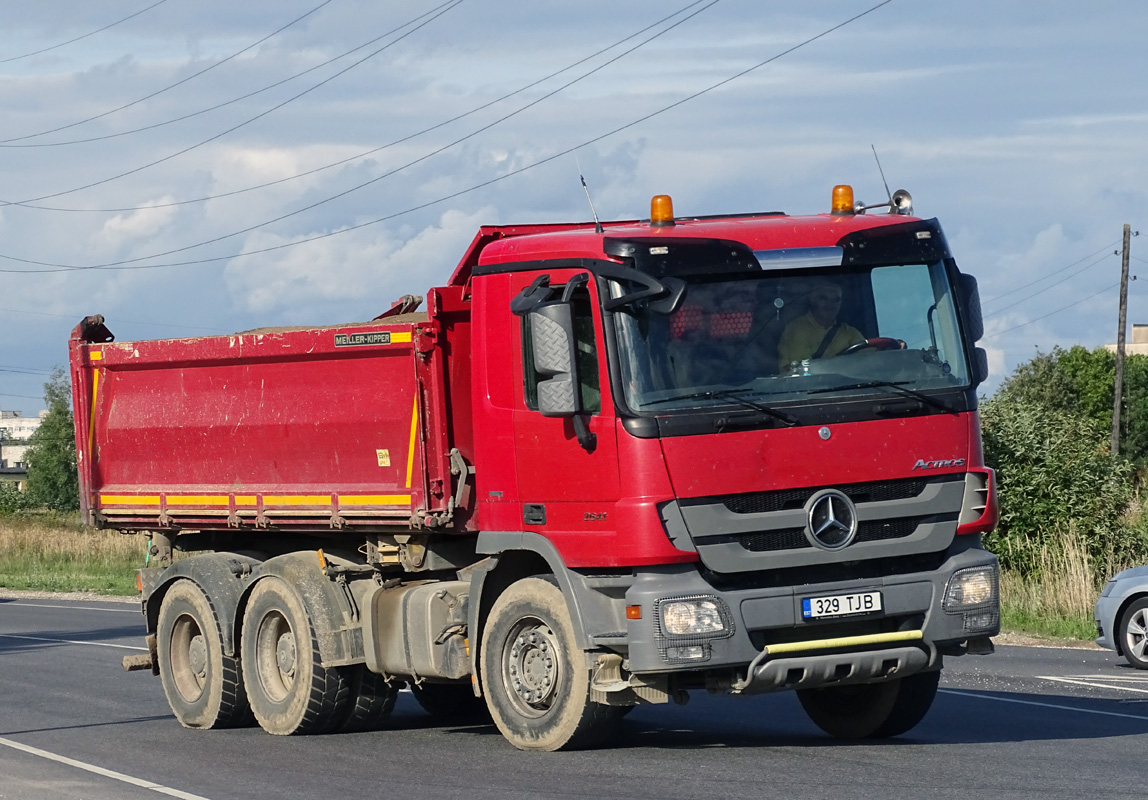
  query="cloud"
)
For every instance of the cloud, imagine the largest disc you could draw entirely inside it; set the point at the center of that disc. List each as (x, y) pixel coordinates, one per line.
(142, 224)
(366, 266)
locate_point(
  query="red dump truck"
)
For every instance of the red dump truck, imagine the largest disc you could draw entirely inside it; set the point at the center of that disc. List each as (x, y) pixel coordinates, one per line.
(609, 464)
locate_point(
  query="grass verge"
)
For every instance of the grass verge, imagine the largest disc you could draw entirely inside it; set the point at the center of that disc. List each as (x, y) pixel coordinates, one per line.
(55, 553)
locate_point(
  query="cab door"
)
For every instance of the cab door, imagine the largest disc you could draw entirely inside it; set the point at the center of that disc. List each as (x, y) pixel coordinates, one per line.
(567, 487)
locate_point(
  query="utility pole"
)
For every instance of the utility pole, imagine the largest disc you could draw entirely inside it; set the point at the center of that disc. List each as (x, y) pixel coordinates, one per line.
(1120, 341)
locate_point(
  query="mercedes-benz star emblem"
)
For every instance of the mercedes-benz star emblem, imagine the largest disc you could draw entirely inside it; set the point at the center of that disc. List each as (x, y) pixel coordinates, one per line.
(832, 519)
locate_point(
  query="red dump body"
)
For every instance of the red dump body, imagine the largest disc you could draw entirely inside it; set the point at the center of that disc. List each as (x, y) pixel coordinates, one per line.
(331, 426)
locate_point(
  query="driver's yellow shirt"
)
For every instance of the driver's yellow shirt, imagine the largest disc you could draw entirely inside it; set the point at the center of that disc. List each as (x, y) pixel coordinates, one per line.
(803, 336)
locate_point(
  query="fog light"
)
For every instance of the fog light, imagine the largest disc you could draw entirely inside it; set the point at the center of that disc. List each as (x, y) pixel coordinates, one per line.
(693, 653)
(981, 621)
(692, 617)
(971, 588)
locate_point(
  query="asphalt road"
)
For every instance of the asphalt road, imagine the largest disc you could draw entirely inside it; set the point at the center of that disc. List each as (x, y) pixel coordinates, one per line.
(1027, 722)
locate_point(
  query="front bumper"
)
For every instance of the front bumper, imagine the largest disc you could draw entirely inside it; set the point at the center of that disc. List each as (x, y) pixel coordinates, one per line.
(766, 644)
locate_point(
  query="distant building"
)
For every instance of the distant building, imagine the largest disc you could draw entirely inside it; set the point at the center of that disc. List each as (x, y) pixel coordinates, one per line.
(15, 429)
(1138, 345)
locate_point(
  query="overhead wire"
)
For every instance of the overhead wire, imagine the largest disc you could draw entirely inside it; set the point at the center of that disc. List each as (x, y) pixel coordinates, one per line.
(380, 148)
(207, 110)
(1054, 272)
(43, 50)
(129, 263)
(1050, 313)
(1070, 276)
(448, 7)
(169, 87)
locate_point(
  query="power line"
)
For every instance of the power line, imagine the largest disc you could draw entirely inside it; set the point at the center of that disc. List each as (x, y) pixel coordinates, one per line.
(85, 36)
(129, 263)
(1069, 277)
(1050, 313)
(374, 150)
(1054, 272)
(450, 6)
(209, 109)
(168, 88)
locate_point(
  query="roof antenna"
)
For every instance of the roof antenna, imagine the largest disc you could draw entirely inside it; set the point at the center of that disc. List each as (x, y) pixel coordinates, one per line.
(597, 225)
(888, 194)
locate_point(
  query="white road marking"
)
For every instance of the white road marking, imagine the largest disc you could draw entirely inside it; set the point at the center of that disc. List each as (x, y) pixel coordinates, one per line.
(1093, 684)
(1043, 705)
(69, 641)
(107, 773)
(77, 608)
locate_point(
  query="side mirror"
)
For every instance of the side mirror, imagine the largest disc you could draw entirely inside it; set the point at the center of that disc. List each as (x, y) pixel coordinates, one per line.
(552, 342)
(970, 298)
(980, 365)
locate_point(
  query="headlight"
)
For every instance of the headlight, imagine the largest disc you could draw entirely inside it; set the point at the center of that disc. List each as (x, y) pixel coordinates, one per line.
(972, 588)
(699, 616)
(1108, 588)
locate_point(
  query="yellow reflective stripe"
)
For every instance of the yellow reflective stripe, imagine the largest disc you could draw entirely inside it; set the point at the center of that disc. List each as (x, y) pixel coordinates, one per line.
(300, 500)
(414, 431)
(845, 641)
(95, 355)
(245, 500)
(129, 500)
(376, 500)
(92, 414)
(198, 500)
(401, 336)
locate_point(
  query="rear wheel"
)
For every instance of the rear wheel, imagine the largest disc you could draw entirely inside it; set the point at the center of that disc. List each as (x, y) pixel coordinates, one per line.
(204, 687)
(450, 702)
(871, 710)
(290, 691)
(535, 678)
(372, 698)
(1134, 633)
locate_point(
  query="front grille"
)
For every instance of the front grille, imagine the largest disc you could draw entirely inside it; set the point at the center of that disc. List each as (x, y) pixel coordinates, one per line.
(794, 538)
(876, 492)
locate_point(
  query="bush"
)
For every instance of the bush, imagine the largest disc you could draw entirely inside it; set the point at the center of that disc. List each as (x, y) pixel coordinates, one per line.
(11, 500)
(1055, 474)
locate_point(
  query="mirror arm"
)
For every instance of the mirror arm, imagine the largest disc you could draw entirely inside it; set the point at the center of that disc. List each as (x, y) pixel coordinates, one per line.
(586, 438)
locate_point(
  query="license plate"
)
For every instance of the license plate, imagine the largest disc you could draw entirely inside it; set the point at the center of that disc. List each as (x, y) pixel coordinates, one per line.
(840, 605)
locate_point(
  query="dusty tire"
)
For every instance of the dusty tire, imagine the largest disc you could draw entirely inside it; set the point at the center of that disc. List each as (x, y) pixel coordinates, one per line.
(371, 701)
(1134, 633)
(535, 679)
(204, 687)
(871, 710)
(289, 690)
(451, 702)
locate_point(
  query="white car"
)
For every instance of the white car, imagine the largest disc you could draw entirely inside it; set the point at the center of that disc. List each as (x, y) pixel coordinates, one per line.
(1122, 616)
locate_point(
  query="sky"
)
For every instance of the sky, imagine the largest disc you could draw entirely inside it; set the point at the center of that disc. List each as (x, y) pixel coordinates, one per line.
(187, 168)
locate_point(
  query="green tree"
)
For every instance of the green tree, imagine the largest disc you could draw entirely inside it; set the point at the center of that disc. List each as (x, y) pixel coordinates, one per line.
(52, 479)
(1081, 382)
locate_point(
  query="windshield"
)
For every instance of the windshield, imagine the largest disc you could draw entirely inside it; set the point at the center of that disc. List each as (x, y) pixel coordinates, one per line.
(787, 335)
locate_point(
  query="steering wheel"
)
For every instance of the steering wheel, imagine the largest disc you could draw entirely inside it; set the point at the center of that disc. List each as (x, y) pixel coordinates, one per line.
(876, 343)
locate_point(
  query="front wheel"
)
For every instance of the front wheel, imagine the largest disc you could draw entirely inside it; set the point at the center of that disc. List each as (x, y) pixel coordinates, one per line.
(1134, 633)
(871, 710)
(534, 676)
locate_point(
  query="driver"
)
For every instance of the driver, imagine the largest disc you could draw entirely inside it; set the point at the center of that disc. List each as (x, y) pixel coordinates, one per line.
(818, 332)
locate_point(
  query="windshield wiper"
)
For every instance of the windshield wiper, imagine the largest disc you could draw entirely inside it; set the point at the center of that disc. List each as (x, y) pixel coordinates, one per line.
(729, 394)
(898, 386)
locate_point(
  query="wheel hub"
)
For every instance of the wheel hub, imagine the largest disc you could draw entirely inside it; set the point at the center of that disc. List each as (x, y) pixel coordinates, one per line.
(197, 657)
(285, 654)
(533, 669)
